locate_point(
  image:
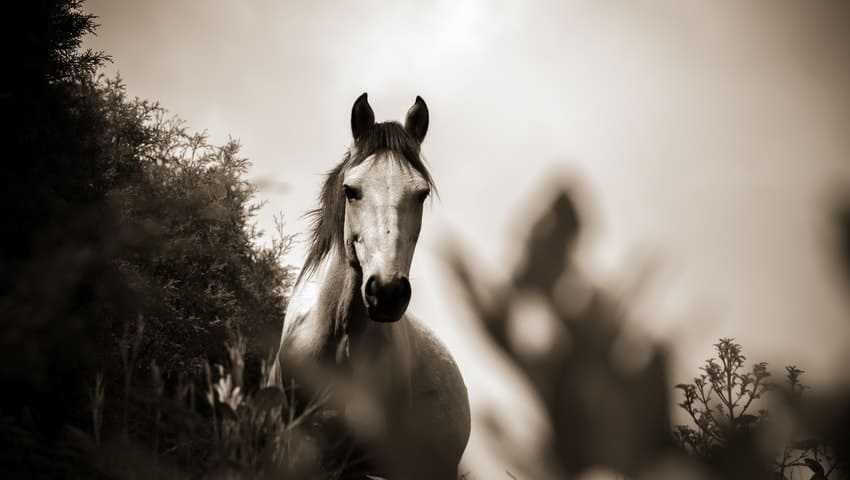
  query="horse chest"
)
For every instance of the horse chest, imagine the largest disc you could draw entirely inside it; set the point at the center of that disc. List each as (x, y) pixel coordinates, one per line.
(381, 360)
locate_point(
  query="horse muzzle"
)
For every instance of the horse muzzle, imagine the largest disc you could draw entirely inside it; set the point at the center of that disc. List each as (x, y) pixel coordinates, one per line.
(387, 298)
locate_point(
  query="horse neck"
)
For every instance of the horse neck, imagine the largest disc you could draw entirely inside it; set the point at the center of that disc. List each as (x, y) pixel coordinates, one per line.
(328, 297)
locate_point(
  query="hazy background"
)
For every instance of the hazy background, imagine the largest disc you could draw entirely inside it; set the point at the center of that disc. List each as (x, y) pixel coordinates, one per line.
(711, 138)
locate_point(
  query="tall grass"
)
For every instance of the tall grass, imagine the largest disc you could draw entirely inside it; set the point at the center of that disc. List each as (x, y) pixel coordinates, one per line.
(210, 427)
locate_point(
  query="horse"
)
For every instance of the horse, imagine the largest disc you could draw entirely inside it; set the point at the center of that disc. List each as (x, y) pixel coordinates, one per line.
(348, 310)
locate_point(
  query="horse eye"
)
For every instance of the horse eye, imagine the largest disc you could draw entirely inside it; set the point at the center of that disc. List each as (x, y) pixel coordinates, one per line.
(422, 195)
(351, 193)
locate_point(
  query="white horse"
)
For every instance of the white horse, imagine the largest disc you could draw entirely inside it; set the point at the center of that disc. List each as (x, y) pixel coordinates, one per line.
(347, 312)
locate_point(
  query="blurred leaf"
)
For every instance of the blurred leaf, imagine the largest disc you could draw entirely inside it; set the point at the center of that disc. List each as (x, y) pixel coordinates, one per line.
(226, 412)
(268, 398)
(747, 419)
(551, 238)
(843, 222)
(80, 439)
(814, 465)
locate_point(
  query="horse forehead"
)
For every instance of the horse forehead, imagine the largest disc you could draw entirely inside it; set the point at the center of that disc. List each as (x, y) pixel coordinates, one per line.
(388, 170)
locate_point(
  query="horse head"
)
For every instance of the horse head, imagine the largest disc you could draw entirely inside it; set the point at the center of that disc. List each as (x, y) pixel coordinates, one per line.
(384, 194)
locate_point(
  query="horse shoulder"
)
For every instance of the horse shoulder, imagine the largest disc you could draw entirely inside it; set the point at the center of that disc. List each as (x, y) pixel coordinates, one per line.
(302, 334)
(433, 360)
(439, 389)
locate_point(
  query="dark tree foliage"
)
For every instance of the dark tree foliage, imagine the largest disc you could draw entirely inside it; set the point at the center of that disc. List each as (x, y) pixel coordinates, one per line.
(114, 216)
(52, 206)
(196, 274)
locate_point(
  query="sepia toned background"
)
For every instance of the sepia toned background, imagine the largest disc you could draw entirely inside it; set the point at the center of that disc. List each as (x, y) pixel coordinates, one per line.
(708, 141)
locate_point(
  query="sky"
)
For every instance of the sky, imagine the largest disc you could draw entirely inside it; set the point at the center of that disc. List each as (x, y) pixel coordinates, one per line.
(711, 138)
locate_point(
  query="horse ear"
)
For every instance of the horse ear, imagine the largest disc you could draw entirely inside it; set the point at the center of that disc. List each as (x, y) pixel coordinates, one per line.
(416, 123)
(362, 116)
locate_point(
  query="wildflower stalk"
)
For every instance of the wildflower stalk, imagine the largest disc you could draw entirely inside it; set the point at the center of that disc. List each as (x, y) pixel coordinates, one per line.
(96, 395)
(210, 396)
(159, 388)
(128, 362)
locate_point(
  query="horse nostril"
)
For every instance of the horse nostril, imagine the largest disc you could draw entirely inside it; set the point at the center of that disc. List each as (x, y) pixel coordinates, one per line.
(402, 288)
(395, 294)
(372, 291)
(387, 299)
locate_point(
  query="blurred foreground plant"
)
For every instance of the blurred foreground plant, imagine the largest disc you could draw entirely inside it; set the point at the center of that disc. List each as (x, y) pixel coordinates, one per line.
(604, 389)
(604, 386)
(236, 433)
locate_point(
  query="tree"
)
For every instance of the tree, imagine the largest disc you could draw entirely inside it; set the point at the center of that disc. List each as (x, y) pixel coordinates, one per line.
(51, 202)
(113, 214)
(199, 275)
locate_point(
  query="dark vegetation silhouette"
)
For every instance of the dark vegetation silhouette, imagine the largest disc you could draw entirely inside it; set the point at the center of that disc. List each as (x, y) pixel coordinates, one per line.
(128, 252)
(137, 308)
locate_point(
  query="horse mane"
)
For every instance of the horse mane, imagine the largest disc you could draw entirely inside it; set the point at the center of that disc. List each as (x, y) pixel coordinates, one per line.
(327, 219)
